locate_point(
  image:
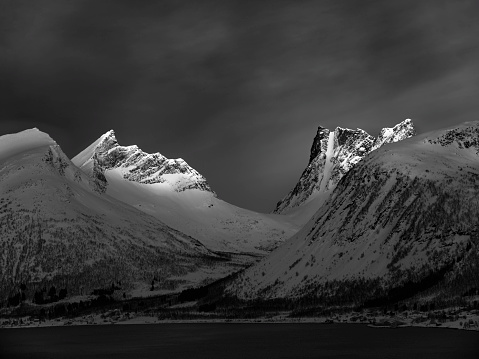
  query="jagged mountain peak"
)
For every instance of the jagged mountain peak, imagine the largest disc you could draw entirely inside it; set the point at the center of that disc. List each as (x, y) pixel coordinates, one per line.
(343, 135)
(333, 154)
(399, 132)
(110, 133)
(107, 141)
(136, 165)
(351, 140)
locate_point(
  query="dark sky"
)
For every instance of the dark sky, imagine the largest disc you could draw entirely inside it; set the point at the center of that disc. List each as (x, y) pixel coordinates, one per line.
(236, 88)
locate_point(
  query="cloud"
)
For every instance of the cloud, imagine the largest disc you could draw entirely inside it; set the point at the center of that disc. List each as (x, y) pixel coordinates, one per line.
(236, 88)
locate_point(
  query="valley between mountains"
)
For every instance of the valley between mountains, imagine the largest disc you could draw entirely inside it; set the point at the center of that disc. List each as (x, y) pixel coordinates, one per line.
(388, 222)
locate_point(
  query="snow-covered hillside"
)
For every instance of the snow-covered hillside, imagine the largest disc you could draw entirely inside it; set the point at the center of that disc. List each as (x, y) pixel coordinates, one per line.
(178, 195)
(57, 228)
(333, 154)
(406, 216)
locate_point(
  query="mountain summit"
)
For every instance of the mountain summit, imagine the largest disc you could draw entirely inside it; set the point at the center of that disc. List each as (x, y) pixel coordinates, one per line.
(137, 166)
(333, 154)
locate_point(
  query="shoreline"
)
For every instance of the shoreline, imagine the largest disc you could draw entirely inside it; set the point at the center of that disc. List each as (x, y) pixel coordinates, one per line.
(382, 322)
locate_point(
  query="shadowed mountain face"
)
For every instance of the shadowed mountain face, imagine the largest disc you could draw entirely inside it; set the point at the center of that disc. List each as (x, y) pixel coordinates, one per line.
(56, 227)
(394, 222)
(403, 220)
(333, 154)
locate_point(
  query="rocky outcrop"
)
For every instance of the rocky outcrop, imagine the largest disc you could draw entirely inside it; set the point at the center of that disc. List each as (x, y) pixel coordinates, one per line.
(346, 148)
(399, 132)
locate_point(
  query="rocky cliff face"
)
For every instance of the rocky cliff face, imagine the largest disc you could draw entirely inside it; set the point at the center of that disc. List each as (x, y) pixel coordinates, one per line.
(403, 221)
(137, 165)
(333, 154)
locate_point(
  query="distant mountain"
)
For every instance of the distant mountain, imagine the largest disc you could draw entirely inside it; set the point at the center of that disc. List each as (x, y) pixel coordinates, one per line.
(333, 154)
(402, 223)
(137, 166)
(56, 228)
(175, 193)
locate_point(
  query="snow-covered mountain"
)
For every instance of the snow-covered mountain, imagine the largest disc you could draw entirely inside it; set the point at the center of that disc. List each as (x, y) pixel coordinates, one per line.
(333, 154)
(405, 219)
(135, 165)
(57, 228)
(175, 193)
(397, 133)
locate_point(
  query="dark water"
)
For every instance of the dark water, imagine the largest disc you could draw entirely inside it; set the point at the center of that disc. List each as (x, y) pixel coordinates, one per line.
(237, 341)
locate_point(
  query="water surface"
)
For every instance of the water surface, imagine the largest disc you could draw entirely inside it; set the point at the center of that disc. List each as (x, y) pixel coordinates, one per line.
(237, 341)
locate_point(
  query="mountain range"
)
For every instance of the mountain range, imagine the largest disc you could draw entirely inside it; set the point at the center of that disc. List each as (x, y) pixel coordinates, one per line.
(369, 218)
(404, 220)
(57, 227)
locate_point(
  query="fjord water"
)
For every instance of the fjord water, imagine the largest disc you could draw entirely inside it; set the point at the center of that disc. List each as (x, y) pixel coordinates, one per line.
(237, 341)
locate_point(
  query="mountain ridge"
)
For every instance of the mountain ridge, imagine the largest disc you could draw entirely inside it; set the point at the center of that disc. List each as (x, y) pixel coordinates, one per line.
(138, 166)
(332, 155)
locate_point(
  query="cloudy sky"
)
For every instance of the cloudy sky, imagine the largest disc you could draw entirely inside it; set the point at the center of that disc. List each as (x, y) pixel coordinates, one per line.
(236, 88)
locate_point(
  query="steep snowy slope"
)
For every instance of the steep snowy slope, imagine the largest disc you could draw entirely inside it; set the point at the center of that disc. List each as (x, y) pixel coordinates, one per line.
(177, 194)
(406, 216)
(56, 227)
(333, 154)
